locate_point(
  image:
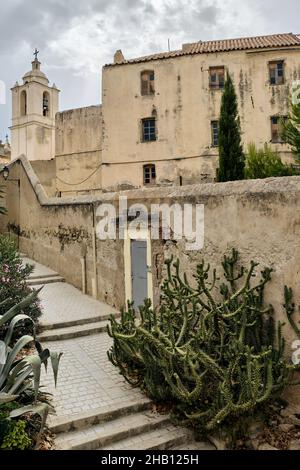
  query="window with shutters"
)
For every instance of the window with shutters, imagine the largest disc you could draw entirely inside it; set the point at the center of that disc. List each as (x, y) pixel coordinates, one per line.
(276, 71)
(149, 174)
(147, 83)
(216, 78)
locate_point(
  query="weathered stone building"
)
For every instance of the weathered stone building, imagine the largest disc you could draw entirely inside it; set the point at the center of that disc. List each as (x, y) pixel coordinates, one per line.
(165, 130)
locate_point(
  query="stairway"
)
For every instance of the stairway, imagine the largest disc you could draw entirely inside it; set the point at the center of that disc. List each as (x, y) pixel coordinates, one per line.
(130, 426)
(73, 329)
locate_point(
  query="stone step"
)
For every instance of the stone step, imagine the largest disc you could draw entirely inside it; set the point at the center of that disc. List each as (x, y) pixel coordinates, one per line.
(165, 438)
(195, 445)
(100, 415)
(33, 277)
(73, 331)
(80, 321)
(44, 280)
(113, 431)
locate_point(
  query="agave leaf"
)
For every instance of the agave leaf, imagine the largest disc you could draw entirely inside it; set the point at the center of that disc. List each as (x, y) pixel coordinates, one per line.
(3, 355)
(21, 305)
(55, 359)
(35, 363)
(6, 398)
(12, 355)
(12, 325)
(14, 384)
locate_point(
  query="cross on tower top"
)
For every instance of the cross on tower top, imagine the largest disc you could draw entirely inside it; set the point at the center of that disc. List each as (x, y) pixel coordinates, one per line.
(36, 52)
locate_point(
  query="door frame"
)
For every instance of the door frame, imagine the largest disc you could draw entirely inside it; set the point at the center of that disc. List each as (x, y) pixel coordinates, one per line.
(143, 235)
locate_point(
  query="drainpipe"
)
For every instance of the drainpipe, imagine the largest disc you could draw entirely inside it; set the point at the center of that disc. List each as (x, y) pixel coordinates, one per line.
(83, 267)
(94, 242)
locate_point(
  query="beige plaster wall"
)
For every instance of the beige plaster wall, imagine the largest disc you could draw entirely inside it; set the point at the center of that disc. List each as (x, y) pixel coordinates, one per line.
(78, 150)
(184, 107)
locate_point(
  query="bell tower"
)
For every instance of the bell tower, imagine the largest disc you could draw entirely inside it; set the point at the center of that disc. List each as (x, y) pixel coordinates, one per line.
(34, 105)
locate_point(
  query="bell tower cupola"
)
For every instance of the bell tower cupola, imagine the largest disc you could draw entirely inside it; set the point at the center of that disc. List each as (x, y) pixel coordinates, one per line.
(34, 106)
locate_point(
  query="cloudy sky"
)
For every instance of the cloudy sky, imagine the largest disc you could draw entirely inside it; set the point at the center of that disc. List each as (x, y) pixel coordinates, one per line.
(77, 37)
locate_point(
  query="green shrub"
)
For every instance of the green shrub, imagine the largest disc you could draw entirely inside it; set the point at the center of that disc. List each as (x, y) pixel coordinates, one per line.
(16, 437)
(13, 275)
(213, 350)
(265, 163)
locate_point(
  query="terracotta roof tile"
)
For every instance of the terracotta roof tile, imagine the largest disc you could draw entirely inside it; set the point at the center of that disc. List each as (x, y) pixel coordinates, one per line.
(226, 45)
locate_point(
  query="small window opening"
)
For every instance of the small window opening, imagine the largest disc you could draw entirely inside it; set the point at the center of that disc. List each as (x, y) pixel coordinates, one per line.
(276, 128)
(147, 83)
(215, 133)
(149, 174)
(217, 78)
(276, 71)
(148, 130)
(46, 104)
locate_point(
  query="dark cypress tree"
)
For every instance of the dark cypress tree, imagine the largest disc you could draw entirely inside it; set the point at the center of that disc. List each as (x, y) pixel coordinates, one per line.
(231, 154)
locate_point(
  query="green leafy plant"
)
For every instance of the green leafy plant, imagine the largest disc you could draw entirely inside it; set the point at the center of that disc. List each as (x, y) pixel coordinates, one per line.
(291, 126)
(16, 436)
(213, 350)
(13, 286)
(231, 154)
(265, 163)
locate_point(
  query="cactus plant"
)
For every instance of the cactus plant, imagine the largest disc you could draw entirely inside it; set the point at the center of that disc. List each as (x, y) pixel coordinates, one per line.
(214, 350)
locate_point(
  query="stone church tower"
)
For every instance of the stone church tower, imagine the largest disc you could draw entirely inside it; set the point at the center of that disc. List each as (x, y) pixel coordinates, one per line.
(34, 105)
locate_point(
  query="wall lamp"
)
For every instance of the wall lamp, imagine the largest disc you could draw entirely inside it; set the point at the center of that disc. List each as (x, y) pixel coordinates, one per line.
(5, 173)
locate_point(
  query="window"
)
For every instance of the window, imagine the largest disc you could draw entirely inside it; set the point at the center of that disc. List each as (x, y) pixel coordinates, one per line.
(216, 78)
(23, 103)
(276, 128)
(276, 70)
(149, 174)
(148, 130)
(46, 103)
(215, 133)
(147, 83)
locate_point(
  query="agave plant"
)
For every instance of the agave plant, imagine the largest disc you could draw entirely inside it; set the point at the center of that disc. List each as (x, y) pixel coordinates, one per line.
(20, 375)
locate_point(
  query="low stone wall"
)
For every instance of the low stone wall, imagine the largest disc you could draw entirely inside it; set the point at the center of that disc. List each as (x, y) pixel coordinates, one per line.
(261, 218)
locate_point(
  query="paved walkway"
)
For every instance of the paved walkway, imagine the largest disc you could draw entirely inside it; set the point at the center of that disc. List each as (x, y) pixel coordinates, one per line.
(95, 407)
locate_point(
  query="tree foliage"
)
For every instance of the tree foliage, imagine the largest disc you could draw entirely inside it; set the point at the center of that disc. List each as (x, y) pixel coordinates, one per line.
(291, 127)
(265, 163)
(231, 154)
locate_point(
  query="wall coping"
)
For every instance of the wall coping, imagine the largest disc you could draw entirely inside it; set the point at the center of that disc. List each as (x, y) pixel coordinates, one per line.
(279, 185)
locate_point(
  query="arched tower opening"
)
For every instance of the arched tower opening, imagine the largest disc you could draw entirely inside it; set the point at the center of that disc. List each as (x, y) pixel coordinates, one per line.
(46, 104)
(23, 103)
